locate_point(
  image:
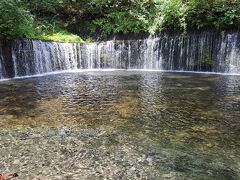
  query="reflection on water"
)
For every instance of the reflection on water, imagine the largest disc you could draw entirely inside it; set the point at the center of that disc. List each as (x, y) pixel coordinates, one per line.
(122, 125)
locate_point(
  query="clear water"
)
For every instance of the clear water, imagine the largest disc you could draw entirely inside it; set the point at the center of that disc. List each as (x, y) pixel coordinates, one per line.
(121, 125)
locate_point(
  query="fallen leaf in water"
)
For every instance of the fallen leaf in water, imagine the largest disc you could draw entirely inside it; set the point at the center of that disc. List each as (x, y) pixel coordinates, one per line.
(7, 176)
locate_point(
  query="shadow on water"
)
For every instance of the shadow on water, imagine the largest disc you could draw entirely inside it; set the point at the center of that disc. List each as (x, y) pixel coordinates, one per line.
(169, 125)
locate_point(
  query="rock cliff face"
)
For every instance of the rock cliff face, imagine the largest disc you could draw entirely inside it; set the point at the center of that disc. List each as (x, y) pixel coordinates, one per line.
(206, 51)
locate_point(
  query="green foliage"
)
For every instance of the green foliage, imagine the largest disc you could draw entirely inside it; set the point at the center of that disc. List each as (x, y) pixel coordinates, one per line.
(60, 37)
(128, 16)
(173, 15)
(51, 30)
(219, 14)
(116, 22)
(230, 14)
(206, 60)
(169, 15)
(52, 19)
(14, 19)
(39, 7)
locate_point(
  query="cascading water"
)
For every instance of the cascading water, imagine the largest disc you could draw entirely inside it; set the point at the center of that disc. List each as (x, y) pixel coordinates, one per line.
(194, 52)
(229, 53)
(37, 57)
(2, 69)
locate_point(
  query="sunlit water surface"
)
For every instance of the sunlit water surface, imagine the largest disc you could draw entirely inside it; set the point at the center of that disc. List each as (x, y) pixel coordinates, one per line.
(121, 125)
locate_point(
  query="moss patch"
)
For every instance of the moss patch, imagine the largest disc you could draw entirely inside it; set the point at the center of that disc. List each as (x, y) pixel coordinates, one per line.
(60, 37)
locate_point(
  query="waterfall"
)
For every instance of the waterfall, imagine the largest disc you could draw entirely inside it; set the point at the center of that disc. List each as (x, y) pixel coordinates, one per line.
(206, 51)
(229, 53)
(37, 57)
(2, 68)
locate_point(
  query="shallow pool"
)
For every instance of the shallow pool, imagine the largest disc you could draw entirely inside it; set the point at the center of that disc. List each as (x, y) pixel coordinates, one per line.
(121, 125)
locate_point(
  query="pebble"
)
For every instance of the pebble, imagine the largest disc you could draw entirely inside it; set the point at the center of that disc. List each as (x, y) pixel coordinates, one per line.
(170, 176)
(150, 161)
(133, 168)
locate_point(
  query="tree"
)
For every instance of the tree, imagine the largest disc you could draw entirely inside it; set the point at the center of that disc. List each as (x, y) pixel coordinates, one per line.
(14, 19)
